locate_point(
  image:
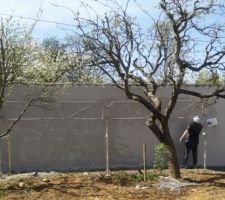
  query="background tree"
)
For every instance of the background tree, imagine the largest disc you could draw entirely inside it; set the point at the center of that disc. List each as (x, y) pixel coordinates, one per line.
(17, 55)
(77, 71)
(211, 78)
(127, 55)
(49, 64)
(56, 62)
(27, 62)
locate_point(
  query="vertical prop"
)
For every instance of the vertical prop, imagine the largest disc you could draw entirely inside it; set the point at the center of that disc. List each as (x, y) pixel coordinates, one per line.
(9, 153)
(0, 157)
(205, 139)
(205, 151)
(144, 160)
(107, 139)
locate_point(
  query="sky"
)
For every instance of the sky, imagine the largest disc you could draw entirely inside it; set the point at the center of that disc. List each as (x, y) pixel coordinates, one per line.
(49, 10)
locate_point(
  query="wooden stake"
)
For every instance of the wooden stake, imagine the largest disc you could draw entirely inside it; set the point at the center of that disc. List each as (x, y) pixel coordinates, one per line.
(9, 154)
(205, 152)
(144, 161)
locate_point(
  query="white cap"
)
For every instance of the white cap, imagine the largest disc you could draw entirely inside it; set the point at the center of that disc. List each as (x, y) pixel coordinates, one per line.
(196, 119)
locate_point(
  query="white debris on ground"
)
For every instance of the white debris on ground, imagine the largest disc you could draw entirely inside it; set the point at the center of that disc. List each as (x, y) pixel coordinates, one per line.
(139, 187)
(173, 184)
(21, 184)
(85, 174)
(45, 180)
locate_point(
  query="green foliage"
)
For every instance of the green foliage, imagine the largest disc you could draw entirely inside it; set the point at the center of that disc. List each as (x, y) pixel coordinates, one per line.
(160, 160)
(15, 54)
(208, 78)
(127, 178)
(15, 50)
(55, 48)
(55, 62)
(140, 177)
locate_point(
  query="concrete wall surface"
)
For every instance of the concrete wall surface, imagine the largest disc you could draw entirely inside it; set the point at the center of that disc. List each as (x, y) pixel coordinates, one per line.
(90, 127)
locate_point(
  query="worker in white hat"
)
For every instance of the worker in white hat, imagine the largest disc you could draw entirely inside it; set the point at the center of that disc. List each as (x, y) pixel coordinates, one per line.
(191, 135)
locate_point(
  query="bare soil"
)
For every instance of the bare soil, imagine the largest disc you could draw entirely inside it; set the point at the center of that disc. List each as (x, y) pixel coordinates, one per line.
(121, 185)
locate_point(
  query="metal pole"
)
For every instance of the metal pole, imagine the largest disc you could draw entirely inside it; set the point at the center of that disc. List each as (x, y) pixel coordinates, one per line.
(107, 140)
(205, 151)
(144, 160)
(205, 139)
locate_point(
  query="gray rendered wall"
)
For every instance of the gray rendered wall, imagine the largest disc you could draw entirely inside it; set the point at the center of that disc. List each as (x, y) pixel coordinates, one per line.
(71, 134)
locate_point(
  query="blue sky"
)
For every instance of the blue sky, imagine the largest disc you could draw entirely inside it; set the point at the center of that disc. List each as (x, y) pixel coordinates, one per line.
(31, 8)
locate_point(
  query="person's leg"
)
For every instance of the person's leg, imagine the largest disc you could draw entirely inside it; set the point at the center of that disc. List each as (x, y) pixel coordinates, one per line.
(186, 154)
(195, 155)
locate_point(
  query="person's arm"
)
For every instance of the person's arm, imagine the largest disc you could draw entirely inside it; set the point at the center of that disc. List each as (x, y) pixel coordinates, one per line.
(185, 134)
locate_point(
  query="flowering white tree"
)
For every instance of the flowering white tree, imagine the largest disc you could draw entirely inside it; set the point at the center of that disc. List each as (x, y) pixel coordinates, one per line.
(56, 62)
(17, 55)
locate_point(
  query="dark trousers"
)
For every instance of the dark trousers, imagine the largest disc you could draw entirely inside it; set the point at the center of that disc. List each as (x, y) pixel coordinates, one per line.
(187, 148)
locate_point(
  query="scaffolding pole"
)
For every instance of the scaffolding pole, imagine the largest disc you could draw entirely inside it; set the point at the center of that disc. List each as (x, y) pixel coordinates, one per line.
(204, 114)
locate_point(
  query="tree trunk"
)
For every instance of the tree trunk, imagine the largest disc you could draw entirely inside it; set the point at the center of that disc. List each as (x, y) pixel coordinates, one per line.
(165, 138)
(172, 157)
(2, 94)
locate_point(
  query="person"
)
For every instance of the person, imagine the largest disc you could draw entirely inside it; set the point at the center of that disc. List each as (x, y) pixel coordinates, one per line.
(191, 135)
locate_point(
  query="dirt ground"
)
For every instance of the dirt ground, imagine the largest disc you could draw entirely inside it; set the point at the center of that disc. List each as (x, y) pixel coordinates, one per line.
(121, 185)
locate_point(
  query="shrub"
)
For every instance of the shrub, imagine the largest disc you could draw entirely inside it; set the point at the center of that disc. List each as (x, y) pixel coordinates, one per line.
(160, 160)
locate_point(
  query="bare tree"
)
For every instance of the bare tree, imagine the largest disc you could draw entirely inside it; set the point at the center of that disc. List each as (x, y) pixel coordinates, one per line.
(164, 55)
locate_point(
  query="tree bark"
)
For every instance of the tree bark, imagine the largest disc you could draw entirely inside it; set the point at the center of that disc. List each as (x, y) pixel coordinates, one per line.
(172, 156)
(2, 95)
(164, 137)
